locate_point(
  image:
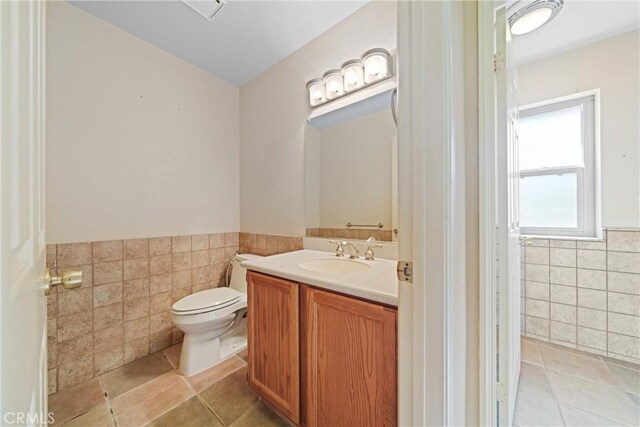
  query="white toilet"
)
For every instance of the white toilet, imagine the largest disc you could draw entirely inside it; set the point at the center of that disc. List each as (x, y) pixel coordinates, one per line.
(214, 322)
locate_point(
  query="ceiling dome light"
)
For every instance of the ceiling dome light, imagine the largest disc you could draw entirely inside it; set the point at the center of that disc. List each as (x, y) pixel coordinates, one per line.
(530, 15)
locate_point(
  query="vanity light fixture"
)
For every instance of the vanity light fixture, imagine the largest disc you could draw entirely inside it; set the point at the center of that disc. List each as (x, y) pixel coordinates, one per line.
(353, 73)
(530, 15)
(317, 92)
(334, 84)
(376, 65)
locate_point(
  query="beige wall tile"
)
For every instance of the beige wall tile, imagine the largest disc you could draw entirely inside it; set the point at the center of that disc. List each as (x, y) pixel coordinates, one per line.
(539, 242)
(592, 338)
(107, 251)
(271, 243)
(216, 256)
(599, 246)
(137, 308)
(625, 262)
(181, 279)
(216, 240)
(200, 287)
(73, 254)
(68, 351)
(537, 273)
(537, 290)
(217, 273)
(160, 302)
(136, 248)
(563, 332)
(563, 313)
(230, 252)
(261, 241)
(160, 321)
(160, 283)
(52, 381)
(593, 279)
(624, 324)
(563, 294)
(108, 338)
(159, 246)
(594, 260)
(200, 242)
(74, 302)
(136, 329)
(75, 372)
(136, 268)
(626, 241)
(590, 318)
(199, 259)
(160, 340)
(537, 308)
(74, 325)
(51, 257)
(107, 272)
(52, 304)
(136, 349)
(200, 275)
(624, 303)
(107, 294)
(591, 298)
(160, 265)
(176, 336)
(563, 275)
(105, 317)
(624, 345)
(537, 326)
(178, 293)
(181, 261)
(624, 282)
(567, 244)
(231, 239)
(180, 244)
(562, 257)
(107, 360)
(137, 288)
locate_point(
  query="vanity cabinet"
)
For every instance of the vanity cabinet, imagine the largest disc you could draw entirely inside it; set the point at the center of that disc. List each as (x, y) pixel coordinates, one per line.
(342, 363)
(273, 342)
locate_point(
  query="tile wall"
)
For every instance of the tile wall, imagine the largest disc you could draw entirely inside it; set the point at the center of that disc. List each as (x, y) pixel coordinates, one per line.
(584, 294)
(122, 311)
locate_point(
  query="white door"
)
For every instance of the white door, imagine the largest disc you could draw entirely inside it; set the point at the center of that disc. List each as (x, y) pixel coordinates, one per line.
(508, 226)
(23, 338)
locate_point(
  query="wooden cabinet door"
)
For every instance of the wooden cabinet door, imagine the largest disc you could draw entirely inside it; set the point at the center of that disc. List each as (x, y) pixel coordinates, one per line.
(273, 342)
(349, 361)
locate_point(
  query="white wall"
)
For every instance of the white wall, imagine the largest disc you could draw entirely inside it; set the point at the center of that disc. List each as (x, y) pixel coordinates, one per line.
(613, 66)
(139, 143)
(274, 108)
(355, 171)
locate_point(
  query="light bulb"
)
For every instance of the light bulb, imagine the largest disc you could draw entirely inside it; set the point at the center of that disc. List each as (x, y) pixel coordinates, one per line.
(353, 73)
(376, 65)
(531, 21)
(316, 92)
(334, 82)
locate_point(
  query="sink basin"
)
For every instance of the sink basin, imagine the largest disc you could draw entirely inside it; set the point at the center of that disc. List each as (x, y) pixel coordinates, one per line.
(334, 266)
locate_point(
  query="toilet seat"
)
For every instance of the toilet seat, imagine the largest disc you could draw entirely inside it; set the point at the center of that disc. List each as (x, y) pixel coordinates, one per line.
(206, 301)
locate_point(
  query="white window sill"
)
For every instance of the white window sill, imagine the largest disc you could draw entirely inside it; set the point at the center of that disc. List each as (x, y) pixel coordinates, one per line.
(577, 238)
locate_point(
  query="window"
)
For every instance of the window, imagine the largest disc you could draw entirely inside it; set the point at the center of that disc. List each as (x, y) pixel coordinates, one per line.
(559, 167)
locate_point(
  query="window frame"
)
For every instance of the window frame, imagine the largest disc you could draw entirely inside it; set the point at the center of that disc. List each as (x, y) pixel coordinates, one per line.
(587, 174)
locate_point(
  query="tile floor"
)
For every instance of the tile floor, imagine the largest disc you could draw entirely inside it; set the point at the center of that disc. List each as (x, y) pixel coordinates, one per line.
(151, 392)
(564, 387)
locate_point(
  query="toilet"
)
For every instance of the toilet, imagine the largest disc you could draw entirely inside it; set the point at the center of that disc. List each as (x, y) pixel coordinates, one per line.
(214, 321)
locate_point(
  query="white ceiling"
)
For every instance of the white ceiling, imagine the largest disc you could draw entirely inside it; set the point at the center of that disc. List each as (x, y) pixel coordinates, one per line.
(243, 40)
(579, 23)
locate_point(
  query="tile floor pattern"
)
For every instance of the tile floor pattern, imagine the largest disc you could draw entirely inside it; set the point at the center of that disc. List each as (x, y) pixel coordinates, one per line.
(565, 387)
(151, 392)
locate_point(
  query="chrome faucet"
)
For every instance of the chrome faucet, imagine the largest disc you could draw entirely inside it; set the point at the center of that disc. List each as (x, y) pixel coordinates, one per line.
(339, 248)
(369, 255)
(353, 250)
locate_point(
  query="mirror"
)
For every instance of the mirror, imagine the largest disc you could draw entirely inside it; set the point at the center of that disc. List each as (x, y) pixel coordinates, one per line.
(351, 174)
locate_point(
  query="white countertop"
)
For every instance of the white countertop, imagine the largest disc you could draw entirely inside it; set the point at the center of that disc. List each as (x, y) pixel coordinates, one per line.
(379, 283)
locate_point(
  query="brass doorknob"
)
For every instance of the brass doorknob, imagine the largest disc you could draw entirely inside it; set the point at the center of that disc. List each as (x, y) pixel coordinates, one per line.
(70, 279)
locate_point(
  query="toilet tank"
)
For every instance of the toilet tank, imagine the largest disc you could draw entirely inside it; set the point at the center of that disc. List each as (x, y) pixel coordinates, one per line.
(239, 274)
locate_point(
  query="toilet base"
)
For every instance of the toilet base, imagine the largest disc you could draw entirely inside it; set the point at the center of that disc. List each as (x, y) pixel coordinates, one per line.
(203, 351)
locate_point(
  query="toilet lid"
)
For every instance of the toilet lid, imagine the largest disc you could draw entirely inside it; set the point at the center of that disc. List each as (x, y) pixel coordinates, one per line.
(211, 299)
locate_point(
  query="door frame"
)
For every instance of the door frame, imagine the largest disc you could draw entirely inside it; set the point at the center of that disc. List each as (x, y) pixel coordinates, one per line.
(432, 356)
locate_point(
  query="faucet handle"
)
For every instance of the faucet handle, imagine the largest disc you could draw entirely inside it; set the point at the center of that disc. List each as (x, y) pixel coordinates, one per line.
(368, 255)
(339, 248)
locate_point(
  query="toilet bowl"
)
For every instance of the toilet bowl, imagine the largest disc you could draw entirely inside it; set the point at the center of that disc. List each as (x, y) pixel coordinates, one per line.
(213, 321)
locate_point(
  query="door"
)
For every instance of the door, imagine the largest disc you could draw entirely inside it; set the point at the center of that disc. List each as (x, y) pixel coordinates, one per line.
(508, 226)
(273, 341)
(23, 357)
(350, 361)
